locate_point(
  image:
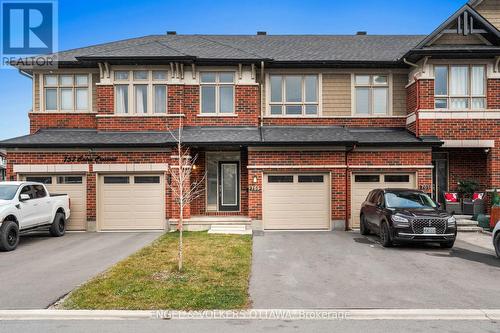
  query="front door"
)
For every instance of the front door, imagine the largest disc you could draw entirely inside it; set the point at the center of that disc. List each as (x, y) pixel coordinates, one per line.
(439, 176)
(229, 189)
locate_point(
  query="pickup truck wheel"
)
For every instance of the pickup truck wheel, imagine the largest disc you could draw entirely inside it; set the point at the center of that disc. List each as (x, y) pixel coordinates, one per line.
(9, 236)
(385, 235)
(497, 244)
(363, 228)
(58, 227)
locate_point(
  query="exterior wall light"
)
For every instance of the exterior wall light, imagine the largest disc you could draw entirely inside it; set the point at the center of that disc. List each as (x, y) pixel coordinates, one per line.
(254, 179)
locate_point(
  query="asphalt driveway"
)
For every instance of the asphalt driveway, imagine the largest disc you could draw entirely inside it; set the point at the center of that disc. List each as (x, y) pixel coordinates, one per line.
(345, 269)
(43, 269)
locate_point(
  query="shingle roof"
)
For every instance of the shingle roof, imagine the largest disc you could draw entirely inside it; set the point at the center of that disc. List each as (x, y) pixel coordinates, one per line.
(285, 48)
(203, 136)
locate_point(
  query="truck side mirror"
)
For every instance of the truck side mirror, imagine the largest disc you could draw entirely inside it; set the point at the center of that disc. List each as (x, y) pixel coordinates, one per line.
(24, 197)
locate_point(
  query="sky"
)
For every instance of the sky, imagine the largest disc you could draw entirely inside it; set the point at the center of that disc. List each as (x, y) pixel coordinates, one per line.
(89, 22)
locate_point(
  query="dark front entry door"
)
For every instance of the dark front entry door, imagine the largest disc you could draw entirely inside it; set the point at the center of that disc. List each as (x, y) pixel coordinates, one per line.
(229, 182)
(439, 176)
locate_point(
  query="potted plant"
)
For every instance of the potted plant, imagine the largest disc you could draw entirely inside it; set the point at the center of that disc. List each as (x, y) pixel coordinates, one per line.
(495, 209)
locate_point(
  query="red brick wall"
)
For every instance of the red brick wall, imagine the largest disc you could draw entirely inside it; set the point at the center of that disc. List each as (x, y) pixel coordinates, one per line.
(137, 123)
(461, 129)
(105, 99)
(61, 120)
(58, 158)
(467, 164)
(426, 94)
(411, 98)
(493, 94)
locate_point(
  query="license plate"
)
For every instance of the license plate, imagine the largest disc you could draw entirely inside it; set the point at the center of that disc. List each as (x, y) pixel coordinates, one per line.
(429, 230)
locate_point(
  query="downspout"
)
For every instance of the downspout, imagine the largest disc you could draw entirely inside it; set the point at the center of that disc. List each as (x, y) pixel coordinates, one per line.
(262, 106)
(417, 106)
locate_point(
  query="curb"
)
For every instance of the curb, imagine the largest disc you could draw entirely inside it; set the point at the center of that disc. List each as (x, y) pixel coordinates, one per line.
(257, 314)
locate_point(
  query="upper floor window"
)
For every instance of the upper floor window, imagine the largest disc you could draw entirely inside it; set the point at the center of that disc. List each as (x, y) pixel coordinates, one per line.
(371, 94)
(140, 92)
(294, 95)
(217, 92)
(460, 87)
(66, 92)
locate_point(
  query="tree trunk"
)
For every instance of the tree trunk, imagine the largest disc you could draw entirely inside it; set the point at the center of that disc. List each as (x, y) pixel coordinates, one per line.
(180, 227)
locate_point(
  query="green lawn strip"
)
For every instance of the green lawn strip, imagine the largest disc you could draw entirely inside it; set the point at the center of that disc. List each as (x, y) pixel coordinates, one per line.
(216, 276)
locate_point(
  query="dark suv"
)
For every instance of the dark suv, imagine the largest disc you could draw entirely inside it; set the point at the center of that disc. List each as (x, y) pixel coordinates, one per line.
(403, 215)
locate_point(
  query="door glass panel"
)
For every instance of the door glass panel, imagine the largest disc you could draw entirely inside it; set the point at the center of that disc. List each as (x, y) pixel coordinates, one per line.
(229, 184)
(212, 183)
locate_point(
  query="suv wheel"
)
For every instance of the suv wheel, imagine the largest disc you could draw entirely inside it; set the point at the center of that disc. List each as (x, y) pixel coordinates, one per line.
(385, 235)
(497, 244)
(58, 227)
(363, 228)
(9, 236)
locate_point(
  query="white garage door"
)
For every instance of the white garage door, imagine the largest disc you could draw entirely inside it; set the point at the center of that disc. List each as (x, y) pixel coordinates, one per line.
(296, 202)
(362, 184)
(131, 202)
(75, 186)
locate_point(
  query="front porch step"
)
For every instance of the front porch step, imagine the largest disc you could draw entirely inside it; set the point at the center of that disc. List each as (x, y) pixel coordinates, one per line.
(470, 229)
(235, 229)
(467, 223)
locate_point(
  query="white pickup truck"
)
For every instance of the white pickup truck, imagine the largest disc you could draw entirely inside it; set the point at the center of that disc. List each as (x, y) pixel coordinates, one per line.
(28, 206)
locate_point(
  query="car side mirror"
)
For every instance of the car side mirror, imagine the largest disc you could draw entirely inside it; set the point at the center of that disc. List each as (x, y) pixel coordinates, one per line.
(24, 197)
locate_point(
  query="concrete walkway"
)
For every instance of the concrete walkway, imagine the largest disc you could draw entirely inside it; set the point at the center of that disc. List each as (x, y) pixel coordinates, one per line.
(43, 269)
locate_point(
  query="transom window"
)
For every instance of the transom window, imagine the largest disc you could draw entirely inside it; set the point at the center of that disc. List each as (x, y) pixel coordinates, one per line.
(460, 87)
(371, 94)
(217, 93)
(140, 92)
(294, 95)
(66, 92)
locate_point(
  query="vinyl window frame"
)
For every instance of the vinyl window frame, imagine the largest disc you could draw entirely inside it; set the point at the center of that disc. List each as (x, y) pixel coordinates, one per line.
(131, 82)
(43, 87)
(217, 84)
(303, 103)
(448, 97)
(371, 86)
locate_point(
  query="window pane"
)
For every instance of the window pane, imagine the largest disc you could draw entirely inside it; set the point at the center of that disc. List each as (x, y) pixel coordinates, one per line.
(160, 99)
(212, 167)
(121, 75)
(40, 179)
(69, 180)
(50, 80)
(311, 109)
(226, 99)
(441, 80)
(397, 178)
(66, 80)
(459, 103)
(311, 85)
(276, 89)
(293, 109)
(82, 98)
(380, 100)
(366, 178)
(380, 79)
(160, 75)
(116, 180)
(293, 87)
(477, 78)
(276, 109)
(311, 179)
(363, 79)
(147, 180)
(280, 179)
(51, 99)
(441, 103)
(82, 80)
(121, 99)
(207, 99)
(226, 77)
(478, 103)
(459, 81)
(208, 77)
(141, 75)
(141, 98)
(39, 191)
(66, 99)
(362, 100)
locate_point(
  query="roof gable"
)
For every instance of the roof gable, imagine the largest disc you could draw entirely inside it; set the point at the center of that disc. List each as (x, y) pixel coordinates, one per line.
(465, 25)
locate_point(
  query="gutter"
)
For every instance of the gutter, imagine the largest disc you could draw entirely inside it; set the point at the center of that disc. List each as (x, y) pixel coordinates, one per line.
(24, 73)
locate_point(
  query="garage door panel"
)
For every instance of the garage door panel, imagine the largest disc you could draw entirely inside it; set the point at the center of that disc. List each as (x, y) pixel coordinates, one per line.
(131, 206)
(296, 206)
(360, 190)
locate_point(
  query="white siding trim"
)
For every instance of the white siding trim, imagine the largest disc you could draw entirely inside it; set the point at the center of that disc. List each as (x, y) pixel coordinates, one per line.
(453, 114)
(52, 168)
(468, 143)
(146, 167)
(296, 166)
(391, 166)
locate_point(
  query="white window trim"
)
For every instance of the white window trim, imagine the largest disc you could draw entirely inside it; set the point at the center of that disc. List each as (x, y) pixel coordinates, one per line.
(284, 115)
(149, 82)
(469, 97)
(42, 87)
(217, 85)
(390, 99)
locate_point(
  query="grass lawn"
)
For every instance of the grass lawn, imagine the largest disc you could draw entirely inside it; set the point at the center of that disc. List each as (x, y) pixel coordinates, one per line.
(216, 274)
